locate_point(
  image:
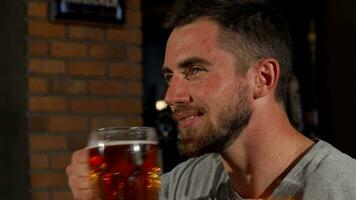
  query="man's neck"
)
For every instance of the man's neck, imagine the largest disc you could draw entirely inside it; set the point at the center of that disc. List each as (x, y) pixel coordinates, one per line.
(262, 155)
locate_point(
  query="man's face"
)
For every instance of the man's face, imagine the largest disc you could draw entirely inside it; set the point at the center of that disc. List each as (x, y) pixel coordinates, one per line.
(207, 95)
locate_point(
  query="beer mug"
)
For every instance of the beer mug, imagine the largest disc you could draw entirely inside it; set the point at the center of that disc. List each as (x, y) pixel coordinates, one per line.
(124, 163)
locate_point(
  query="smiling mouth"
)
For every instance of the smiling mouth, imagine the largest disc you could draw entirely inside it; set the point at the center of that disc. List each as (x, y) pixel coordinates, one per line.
(188, 119)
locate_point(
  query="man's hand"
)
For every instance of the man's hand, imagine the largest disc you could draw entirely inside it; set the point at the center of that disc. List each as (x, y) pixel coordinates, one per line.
(78, 176)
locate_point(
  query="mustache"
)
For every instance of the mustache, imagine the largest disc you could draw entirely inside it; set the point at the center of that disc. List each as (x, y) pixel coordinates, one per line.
(186, 109)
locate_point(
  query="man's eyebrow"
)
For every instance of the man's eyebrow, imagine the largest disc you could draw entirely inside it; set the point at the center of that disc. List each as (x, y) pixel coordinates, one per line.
(187, 63)
(165, 69)
(193, 61)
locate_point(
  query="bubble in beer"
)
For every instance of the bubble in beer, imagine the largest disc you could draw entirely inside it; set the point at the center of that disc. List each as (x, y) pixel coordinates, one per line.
(126, 170)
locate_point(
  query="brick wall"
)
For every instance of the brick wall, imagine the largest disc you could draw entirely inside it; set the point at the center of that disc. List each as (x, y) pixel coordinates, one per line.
(79, 78)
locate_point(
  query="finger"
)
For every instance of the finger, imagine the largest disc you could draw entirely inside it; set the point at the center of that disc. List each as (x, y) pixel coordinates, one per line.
(78, 165)
(82, 187)
(80, 170)
(80, 156)
(80, 183)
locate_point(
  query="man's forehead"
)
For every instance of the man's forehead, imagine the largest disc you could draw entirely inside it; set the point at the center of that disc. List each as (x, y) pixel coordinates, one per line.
(193, 40)
(201, 26)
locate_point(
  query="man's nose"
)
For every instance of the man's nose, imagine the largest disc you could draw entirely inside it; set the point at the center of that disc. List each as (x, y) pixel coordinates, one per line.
(177, 92)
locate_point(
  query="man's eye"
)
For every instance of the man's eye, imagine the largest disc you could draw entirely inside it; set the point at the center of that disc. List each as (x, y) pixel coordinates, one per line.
(195, 70)
(167, 77)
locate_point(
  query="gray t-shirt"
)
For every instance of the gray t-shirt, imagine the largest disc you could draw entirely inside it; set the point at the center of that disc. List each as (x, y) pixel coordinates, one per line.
(324, 173)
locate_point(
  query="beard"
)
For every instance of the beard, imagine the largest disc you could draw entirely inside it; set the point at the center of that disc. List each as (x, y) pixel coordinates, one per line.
(210, 138)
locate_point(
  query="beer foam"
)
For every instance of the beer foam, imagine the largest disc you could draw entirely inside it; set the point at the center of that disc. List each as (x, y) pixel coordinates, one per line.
(113, 143)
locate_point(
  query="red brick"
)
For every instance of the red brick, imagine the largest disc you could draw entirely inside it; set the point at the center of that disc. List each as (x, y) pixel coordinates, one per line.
(39, 161)
(37, 48)
(135, 88)
(83, 68)
(88, 60)
(69, 86)
(37, 9)
(37, 85)
(40, 195)
(129, 106)
(46, 29)
(87, 105)
(134, 19)
(44, 66)
(134, 5)
(67, 123)
(106, 88)
(101, 51)
(60, 161)
(48, 179)
(37, 123)
(84, 32)
(135, 121)
(134, 54)
(47, 104)
(101, 122)
(47, 142)
(75, 143)
(124, 36)
(62, 195)
(126, 71)
(68, 49)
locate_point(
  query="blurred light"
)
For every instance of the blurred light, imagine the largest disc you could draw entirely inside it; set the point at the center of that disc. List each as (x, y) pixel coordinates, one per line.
(161, 105)
(101, 148)
(136, 148)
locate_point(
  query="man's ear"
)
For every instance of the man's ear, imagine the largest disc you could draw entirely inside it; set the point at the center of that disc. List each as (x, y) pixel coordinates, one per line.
(267, 72)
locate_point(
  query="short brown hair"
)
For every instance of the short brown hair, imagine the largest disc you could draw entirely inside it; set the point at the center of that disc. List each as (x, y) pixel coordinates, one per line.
(252, 29)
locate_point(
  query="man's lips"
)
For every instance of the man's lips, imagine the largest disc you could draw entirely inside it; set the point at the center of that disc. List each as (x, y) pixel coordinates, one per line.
(186, 119)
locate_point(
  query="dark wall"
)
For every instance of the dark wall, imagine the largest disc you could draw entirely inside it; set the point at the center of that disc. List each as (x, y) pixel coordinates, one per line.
(328, 83)
(13, 158)
(338, 75)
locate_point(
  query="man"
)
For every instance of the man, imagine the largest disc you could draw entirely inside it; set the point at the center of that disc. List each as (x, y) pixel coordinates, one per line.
(225, 64)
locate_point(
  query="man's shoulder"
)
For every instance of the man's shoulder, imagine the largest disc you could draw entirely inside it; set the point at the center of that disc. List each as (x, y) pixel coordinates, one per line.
(202, 164)
(323, 173)
(332, 162)
(197, 177)
(333, 172)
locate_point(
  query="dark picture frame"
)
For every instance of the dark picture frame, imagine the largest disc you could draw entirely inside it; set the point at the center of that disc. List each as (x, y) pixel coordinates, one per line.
(88, 11)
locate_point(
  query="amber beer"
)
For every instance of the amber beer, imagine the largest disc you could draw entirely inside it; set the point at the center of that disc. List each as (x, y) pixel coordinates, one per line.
(127, 170)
